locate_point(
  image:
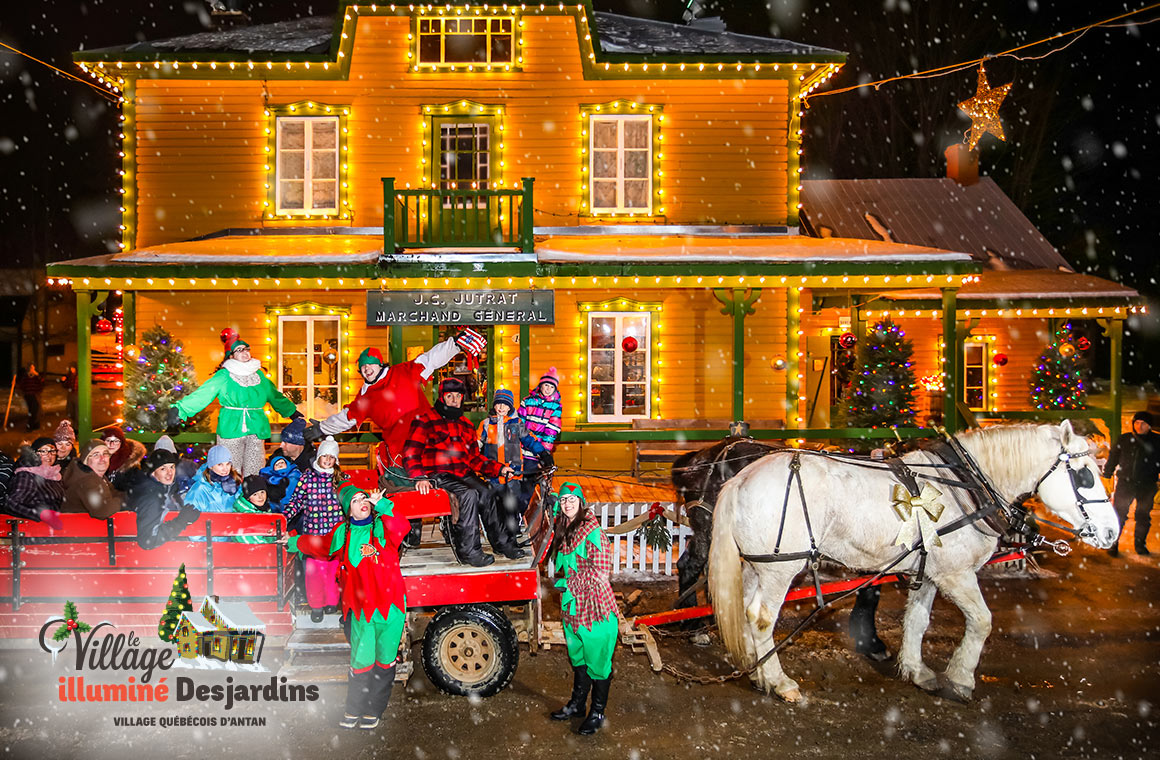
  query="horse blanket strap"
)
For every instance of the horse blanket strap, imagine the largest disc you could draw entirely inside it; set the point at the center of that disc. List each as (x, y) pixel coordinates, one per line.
(903, 475)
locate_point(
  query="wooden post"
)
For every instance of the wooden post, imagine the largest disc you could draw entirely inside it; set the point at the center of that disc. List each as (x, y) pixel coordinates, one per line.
(84, 366)
(1114, 331)
(396, 344)
(389, 216)
(737, 303)
(793, 365)
(527, 221)
(525, 361)
(951, 360)
(129, 317)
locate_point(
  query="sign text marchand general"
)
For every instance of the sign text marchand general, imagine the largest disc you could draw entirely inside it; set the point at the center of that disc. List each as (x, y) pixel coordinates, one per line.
(463, 307)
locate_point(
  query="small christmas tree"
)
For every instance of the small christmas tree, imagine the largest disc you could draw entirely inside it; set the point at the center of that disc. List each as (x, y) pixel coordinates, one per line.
(157, 373)
(882, 392)
(1058, 380)
(178, 602)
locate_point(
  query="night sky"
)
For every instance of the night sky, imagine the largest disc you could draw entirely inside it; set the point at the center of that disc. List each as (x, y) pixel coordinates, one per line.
(1081, 158)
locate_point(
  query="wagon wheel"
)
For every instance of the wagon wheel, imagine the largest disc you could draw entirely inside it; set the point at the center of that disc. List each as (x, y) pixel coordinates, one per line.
(470, 649)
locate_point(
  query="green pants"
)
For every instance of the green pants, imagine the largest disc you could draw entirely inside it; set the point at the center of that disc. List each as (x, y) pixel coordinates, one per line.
(593, 647)
(375, 641)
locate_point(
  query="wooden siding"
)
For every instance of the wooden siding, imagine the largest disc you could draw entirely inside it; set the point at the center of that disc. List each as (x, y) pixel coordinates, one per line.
(201, 143)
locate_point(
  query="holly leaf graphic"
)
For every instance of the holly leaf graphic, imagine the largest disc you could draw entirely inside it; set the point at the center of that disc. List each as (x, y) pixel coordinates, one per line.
(60, 634)
(84, 627)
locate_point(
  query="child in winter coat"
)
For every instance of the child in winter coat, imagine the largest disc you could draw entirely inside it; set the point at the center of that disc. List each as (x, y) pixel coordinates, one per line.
(216, 484)
(316, 497)
(374, 606)
(504, 437)
(541, 412)
(281, 477)
(582, 555)
(252, 499)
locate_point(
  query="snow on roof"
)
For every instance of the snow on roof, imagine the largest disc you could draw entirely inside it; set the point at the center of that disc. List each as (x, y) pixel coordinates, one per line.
(1027, 285)
(979, 219)
(237, 615)
(198, 621)
(303, 35)
(261, 249)
(775, 249)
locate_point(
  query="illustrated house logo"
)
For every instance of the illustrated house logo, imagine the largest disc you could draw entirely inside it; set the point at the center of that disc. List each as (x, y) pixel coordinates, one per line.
(226, 631)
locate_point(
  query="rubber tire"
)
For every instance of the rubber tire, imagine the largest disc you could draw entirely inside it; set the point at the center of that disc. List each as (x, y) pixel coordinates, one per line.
(491, 623)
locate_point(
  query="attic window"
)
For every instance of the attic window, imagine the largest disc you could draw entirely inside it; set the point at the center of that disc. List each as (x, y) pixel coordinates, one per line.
(447, 42)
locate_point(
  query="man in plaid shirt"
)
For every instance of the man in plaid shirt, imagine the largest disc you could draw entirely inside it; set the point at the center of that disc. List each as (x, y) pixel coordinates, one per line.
(441, 452)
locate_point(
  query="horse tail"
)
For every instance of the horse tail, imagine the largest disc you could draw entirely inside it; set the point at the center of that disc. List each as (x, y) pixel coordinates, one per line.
(725, 589)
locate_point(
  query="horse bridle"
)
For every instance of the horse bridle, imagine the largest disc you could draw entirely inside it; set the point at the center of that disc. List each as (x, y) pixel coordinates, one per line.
(1078, 479)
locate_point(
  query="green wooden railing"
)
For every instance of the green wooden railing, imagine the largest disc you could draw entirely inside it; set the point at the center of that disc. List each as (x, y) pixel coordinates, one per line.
(430, 218)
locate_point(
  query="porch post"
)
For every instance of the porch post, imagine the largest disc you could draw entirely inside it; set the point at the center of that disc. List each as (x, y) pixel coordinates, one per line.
(1114, 330)
(737, 303)
(793, 368)
(129, 316)
(525, 361)
(951, 360)
(527, 220)
(84, 367)
(389, 216)
(396, 344)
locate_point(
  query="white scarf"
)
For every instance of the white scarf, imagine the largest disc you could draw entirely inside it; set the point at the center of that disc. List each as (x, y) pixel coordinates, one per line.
(244, 374)
(317, 468)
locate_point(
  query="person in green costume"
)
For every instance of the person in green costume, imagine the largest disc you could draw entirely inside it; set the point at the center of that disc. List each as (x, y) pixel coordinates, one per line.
(243, 391)
(583, 556)
(374, 604)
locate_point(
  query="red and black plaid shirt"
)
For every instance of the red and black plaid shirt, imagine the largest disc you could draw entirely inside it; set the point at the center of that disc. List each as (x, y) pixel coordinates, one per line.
(439, 445)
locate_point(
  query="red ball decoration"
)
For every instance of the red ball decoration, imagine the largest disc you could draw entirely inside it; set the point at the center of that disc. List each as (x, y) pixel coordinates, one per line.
(228, 335)
(1083, 343)
(72, 624)
(847, 340)
(999, 360)
(629, 344)
(104, 325)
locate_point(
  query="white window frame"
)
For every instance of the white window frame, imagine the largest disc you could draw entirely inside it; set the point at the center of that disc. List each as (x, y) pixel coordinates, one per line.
(983, 342)
(620, 120)
(308, 165)
(644, 344)
(308, 352)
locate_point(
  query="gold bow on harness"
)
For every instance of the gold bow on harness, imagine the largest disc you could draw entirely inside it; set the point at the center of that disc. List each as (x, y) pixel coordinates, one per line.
(918, 515)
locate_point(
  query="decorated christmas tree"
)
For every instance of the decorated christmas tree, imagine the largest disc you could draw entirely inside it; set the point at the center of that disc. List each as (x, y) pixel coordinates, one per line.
(178, 602)
(157, 373)
(882, 391)
(1059, 378)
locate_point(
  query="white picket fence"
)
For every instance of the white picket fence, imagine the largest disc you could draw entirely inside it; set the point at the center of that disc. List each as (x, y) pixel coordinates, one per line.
(630, 553)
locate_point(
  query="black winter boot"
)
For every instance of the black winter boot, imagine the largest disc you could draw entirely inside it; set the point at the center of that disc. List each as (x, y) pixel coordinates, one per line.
(581, 683)
(595, 717)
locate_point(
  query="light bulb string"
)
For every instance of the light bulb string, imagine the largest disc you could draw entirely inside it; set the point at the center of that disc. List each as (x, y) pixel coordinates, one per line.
(957, 67)
(104, 93)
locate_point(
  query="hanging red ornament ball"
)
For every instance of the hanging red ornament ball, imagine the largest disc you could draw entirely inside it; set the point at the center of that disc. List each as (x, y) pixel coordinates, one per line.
(104, 325)
(629, 344)
(847, 340)
(1067, 350)
(999, 360)
(1083, 344)
(228, 335)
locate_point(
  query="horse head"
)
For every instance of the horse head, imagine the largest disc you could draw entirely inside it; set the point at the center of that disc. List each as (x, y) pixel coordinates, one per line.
(1072, 489)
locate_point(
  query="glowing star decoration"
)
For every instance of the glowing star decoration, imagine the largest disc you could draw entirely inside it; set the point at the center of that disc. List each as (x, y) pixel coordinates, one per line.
(984, 110)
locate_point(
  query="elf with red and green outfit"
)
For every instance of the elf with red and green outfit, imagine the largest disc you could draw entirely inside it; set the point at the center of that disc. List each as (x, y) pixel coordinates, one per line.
(373, 602)
(583, 556)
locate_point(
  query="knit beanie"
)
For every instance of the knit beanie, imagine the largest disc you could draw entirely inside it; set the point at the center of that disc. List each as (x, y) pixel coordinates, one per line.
(158, 458)
(43, 441)
(550, 377)
(64, 432)
(346, 494)
(234, 345)
(328, 446)
(217, 455)
(1143, 417)
(89, 448)
(503, 396)
(370, 356)
(252, 484)
(165, 443)
(295, 432)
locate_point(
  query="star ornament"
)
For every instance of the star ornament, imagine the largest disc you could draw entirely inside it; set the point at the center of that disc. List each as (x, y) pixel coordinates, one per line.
(984, 110)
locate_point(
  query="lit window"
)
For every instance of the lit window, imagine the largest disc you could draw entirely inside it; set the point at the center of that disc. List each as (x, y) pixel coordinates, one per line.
(451, 41)
(976, 374)
(619, 363)
(620, 163)
(464, 156)
(307, 162)
(310, 361)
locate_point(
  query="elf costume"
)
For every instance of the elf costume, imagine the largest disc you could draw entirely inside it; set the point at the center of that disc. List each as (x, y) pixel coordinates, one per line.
(243, 391)
(589, 610)
(373, 600)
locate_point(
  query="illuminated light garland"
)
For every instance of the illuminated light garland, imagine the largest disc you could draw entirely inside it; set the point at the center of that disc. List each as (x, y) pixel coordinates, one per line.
(431, 148)
(656, 155)
(306, 109)
(625, 306)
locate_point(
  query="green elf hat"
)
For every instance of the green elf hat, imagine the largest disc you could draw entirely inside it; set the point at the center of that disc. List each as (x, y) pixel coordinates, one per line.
(572, 489)
(234, 345)
(370, 356)
(346, 495)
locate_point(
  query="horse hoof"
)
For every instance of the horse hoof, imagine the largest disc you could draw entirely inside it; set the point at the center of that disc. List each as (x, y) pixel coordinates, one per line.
(879, 655)
(930, 687)
(958, 692)
(789, 692)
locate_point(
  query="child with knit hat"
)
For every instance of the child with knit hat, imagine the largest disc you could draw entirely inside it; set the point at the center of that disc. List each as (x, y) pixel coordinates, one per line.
(366, 546)
(215, 484)
(504, 437)
(541, 412)
(316, 498)
(252, 499)
(66, 444)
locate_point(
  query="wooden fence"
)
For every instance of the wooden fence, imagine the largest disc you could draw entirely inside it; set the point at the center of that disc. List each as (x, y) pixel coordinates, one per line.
(630, 552)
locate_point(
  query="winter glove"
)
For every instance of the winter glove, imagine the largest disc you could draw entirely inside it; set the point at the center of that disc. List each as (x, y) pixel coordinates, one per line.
(546, 460)
(297, 415)
(51, 518)
(313, 432)
(172, 418)
(472, 344)
(187, 516)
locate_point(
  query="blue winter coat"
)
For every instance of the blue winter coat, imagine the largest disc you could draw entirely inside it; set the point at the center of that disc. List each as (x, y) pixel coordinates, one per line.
(211, 495)
(280, 484)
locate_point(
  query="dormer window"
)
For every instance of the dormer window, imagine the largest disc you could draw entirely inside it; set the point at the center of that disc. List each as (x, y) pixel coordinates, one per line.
(450, 42)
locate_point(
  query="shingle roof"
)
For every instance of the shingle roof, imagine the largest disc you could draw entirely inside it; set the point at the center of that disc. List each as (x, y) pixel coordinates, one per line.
(977, 219)
(305, 35)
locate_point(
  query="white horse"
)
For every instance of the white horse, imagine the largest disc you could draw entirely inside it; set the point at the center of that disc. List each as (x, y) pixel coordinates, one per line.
(854, 522)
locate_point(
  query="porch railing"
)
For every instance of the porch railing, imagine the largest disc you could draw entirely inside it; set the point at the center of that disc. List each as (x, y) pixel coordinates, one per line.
(468, 218)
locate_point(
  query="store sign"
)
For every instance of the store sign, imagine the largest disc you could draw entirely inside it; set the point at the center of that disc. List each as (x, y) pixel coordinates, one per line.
(461, 307)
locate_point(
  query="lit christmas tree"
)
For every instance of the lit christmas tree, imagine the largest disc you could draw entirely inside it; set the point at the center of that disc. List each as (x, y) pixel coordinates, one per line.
(882, 393)
(178, 602)
(157, 373)
(1058, 380)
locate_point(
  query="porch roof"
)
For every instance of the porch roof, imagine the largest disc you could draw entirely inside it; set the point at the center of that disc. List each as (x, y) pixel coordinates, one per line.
(1030, 286)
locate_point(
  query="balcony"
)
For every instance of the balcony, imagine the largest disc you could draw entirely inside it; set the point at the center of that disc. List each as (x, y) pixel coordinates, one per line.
(457, 218)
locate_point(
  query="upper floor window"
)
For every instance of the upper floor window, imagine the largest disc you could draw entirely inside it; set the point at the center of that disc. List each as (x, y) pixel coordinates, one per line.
(306, 161)
(447, 42)
(464, 154)
(622, 166)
